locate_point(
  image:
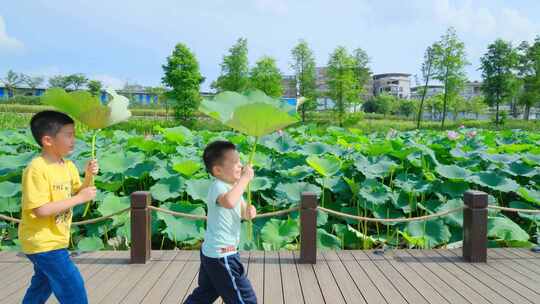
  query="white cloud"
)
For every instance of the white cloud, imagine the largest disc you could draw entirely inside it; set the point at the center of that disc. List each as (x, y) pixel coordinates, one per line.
(109, 81)
(6, 42)
(278, 7)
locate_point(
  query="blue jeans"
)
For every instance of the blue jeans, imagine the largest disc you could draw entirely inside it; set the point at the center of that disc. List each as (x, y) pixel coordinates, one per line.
(54, 272)
(225, 278)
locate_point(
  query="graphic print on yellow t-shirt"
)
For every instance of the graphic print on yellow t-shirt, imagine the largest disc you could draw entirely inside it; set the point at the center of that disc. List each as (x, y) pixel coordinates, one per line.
(44, 182)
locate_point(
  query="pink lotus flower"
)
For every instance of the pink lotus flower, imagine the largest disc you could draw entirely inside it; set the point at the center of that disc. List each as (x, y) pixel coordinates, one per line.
(472, 134)
(280, 132)
(452, 135)
(462, 126)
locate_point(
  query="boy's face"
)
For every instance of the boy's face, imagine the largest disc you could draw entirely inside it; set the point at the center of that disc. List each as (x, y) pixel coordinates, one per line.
(62, 143)
(230, 168)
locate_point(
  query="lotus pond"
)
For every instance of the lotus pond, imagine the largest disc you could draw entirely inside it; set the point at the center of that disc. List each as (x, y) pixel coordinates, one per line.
(390, 175)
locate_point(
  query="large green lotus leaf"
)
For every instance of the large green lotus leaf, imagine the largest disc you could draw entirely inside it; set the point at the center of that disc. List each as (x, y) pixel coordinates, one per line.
(119, 162)
(90, 244)
(10, 163)
(386, 211)
(280, 143)
(167, 188)
(531, 159)
(11, 205)
(499, 158)
(143, 144)
(504, 229)
(352, 238)
(495, 181)
(297, 173)
(198, 188)
(411, 183)
(535, 217)
(521, 169)
(327, 241)
(88, 109)
(530, 195)
(292, 192)
(111, 204)
(179, 135)
(375, 168)
(434, 232)
(9, 189)
(140, 169)
(109, 181)
(454, 189)
(260, 183)
(187, 167)
(375, 192)
(453, 172)
(180, 229)
(326, 165)
(277, 233)
(162, 170)
(454, 218)
(315, 148)
(253, 113)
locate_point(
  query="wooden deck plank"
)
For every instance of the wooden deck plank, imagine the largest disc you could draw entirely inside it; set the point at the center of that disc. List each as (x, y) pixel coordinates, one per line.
(139, 291)
(329, 288)
(417, 281)
(107, 279)
(179, 288)
(135, 274)
(308, 282)
(439, 280)
(512, 279)
(344, 282)
(256, 273)
(501, 256)
(273, 291)
(526, 255)
(292, 291)
(496, 286)
(369, 291)
(524, 275)
(390, 294)
(163, 284)
(405, 288)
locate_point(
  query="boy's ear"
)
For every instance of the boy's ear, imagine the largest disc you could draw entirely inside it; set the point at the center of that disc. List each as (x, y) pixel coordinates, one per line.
(46, 141)
(216, 170)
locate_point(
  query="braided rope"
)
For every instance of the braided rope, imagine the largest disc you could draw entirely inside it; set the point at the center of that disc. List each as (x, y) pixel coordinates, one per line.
(9, 219)
(515, 209)
(276, 213)
(180, 214)
(99, 219)
(396, 220)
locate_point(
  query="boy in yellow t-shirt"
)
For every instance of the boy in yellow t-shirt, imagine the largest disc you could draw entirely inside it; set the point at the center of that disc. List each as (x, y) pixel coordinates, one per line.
(51, 186)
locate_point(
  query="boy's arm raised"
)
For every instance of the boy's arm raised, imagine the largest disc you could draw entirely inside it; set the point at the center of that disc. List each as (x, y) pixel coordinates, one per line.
(53, 208)
(229, 199)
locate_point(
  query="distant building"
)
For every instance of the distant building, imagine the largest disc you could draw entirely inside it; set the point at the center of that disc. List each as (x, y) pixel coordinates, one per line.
(21, 90)
(472, 89)
(397, 84)
(432, 90)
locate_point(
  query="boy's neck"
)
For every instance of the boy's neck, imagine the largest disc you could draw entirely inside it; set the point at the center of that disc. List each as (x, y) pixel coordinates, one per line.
(51, 156)
(223, 180)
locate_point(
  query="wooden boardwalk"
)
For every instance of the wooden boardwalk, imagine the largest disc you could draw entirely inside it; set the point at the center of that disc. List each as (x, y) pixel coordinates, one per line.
(403, 276)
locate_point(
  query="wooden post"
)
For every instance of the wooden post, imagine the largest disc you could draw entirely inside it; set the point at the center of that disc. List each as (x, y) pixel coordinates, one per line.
(308, 228)
(475, 227)
(141, 232)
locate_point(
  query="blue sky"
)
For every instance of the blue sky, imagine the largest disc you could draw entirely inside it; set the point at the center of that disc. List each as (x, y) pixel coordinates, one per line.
(118, 41)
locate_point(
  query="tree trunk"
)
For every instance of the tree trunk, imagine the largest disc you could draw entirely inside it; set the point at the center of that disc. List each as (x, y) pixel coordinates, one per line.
(445, 98)
(527, 112)
(497, 114)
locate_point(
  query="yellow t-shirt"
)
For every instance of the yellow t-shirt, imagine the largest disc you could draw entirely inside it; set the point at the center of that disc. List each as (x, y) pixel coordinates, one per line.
(44, 182)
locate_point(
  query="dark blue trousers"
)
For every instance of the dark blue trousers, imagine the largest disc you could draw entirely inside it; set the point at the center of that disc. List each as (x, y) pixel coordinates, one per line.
(224, 277)
(54, 272)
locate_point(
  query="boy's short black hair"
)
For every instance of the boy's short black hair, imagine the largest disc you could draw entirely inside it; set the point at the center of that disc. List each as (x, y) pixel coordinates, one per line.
(48, 123)
(214, 152)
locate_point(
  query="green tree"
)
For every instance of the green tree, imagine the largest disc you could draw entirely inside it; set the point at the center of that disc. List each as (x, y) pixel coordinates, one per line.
(434, 105)
(234, 69)
(362, 73)
(449, 63)
(385, 103)
(408, 107)
(477, 105)
(77, 80)
(11, 81)
(498, 66)
(33, 82)
(266, 77)
(529, 74)
(94, 87)
(342, 86)
(182, 75)
(303, 64)
(427, 74)
(59, 81)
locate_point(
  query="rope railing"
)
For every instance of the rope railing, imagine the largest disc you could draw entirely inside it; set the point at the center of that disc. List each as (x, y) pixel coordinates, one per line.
(85, 222)
(204, 217)
(515, 209)
(392, 220)
(9, 219)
